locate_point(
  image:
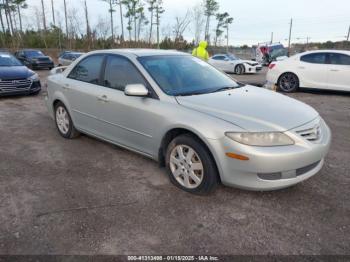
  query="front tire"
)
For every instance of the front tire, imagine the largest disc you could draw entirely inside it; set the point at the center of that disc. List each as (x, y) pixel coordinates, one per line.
(64, 122)
(190, 165)
(288, 83)
(239, 70)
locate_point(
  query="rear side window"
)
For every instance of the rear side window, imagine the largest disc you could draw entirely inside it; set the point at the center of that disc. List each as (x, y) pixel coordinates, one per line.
(120, 72)
(88, 70)
(317, 58)
(339, 59)
(219, 57)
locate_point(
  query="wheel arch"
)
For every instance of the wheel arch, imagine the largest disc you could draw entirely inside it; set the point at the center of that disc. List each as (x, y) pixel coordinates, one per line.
(287, 72)
(177, 131)
(59, 98)
(240, 64)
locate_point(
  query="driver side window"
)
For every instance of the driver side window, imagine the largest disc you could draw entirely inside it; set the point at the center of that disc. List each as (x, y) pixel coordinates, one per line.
(120, 72)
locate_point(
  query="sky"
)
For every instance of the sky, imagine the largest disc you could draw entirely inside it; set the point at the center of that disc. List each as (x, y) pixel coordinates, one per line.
(254, 20)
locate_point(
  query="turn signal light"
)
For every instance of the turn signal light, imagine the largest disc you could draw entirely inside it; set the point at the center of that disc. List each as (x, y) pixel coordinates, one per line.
(235, 156)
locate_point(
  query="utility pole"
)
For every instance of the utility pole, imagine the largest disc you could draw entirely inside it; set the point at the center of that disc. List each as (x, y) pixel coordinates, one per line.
(290, 35)
(271, 37)
(53, 13)
(307, 42)
(347, 38)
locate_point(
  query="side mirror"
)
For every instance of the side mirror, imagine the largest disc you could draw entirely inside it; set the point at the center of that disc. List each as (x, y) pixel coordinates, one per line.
(226, 59)
(136, 90)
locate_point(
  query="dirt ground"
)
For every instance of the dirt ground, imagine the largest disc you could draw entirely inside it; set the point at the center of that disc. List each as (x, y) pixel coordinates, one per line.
(85, 196)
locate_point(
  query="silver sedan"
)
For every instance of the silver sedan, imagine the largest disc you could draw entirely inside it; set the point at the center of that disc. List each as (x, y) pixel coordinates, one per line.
(195, 120)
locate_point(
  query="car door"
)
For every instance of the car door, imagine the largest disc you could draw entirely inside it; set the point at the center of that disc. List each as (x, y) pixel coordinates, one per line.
(128, 120)
(82, 88)
(339, 71)
(313, 70)
(219, 62)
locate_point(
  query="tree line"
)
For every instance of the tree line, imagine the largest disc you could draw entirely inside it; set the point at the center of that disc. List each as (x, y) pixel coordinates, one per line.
(139, 25)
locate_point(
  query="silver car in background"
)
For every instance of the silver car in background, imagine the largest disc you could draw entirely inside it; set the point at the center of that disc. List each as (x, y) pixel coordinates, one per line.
(66, 58)
(195, 120)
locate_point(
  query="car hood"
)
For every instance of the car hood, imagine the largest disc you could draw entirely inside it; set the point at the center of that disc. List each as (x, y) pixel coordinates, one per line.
(252, 108)
(246, 61)
(14, 72)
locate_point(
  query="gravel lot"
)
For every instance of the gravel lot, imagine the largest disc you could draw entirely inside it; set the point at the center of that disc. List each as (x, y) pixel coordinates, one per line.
(85, 196)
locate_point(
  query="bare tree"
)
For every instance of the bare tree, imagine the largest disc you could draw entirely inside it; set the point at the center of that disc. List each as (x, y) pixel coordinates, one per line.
(181, 25)
(66, 17)
(210, 8)
(20, 4)
(88, 29)
(53, 13)
(151, 10)
(43, 15)
(111, 10)
(159, 11)
(120, 4)
(198, 21)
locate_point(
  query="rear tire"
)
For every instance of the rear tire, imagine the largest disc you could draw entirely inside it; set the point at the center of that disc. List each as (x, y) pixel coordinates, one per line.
(190, 165)
(288, 83)
(64, 122)
(239, 70)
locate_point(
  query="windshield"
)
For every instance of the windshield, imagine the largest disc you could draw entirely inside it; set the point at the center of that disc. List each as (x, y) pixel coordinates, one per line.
(34, 53)
(232, 57)
(186, 75)
(9, 60)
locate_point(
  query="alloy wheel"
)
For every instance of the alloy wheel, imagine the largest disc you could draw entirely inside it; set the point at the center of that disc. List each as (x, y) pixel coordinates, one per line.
(62, 120)
(186, 166)
(288, 82)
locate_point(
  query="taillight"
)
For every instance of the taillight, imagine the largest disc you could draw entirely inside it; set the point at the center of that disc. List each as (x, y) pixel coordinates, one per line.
(271, 66)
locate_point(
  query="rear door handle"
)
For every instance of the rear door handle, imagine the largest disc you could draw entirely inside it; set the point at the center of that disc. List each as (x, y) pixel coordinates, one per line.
(334, 70)
(301, 67)
(66, 86)
(103, 98)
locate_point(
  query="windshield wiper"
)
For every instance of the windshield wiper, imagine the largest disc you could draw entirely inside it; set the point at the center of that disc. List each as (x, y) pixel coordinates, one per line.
(191, 93)
(224, 88)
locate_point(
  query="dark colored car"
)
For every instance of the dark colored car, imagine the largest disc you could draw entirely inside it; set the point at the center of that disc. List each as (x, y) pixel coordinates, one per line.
(15, 78)
(34, 59)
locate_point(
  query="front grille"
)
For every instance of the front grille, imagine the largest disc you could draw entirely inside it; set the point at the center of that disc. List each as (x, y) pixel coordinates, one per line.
(44, 60)
(312, 134)
(15, 85)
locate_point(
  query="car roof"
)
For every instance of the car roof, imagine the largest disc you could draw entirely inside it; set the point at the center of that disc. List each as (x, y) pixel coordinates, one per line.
(140, 52)
(326, 51)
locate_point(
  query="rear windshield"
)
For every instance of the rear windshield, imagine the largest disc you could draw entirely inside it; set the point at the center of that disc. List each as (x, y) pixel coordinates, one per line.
(9, 60)
(34, 53)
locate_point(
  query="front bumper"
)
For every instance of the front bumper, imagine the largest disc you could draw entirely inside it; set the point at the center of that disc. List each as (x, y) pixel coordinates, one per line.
(252, 69)
(271, 168)
(40, 65)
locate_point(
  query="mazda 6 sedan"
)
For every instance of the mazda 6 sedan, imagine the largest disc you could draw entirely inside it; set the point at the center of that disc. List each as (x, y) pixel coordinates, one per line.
(199, 123)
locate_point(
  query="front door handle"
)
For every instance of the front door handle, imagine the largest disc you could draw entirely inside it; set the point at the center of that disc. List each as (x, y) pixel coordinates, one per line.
(301, 67)
(103, 98)
(334, 70)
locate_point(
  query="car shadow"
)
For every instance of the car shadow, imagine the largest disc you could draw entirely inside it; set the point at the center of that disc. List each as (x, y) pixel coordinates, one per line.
(324, 92)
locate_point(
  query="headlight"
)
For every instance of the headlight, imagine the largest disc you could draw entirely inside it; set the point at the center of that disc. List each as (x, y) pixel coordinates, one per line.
(261, 139)
(251, 64)
(34, 77)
